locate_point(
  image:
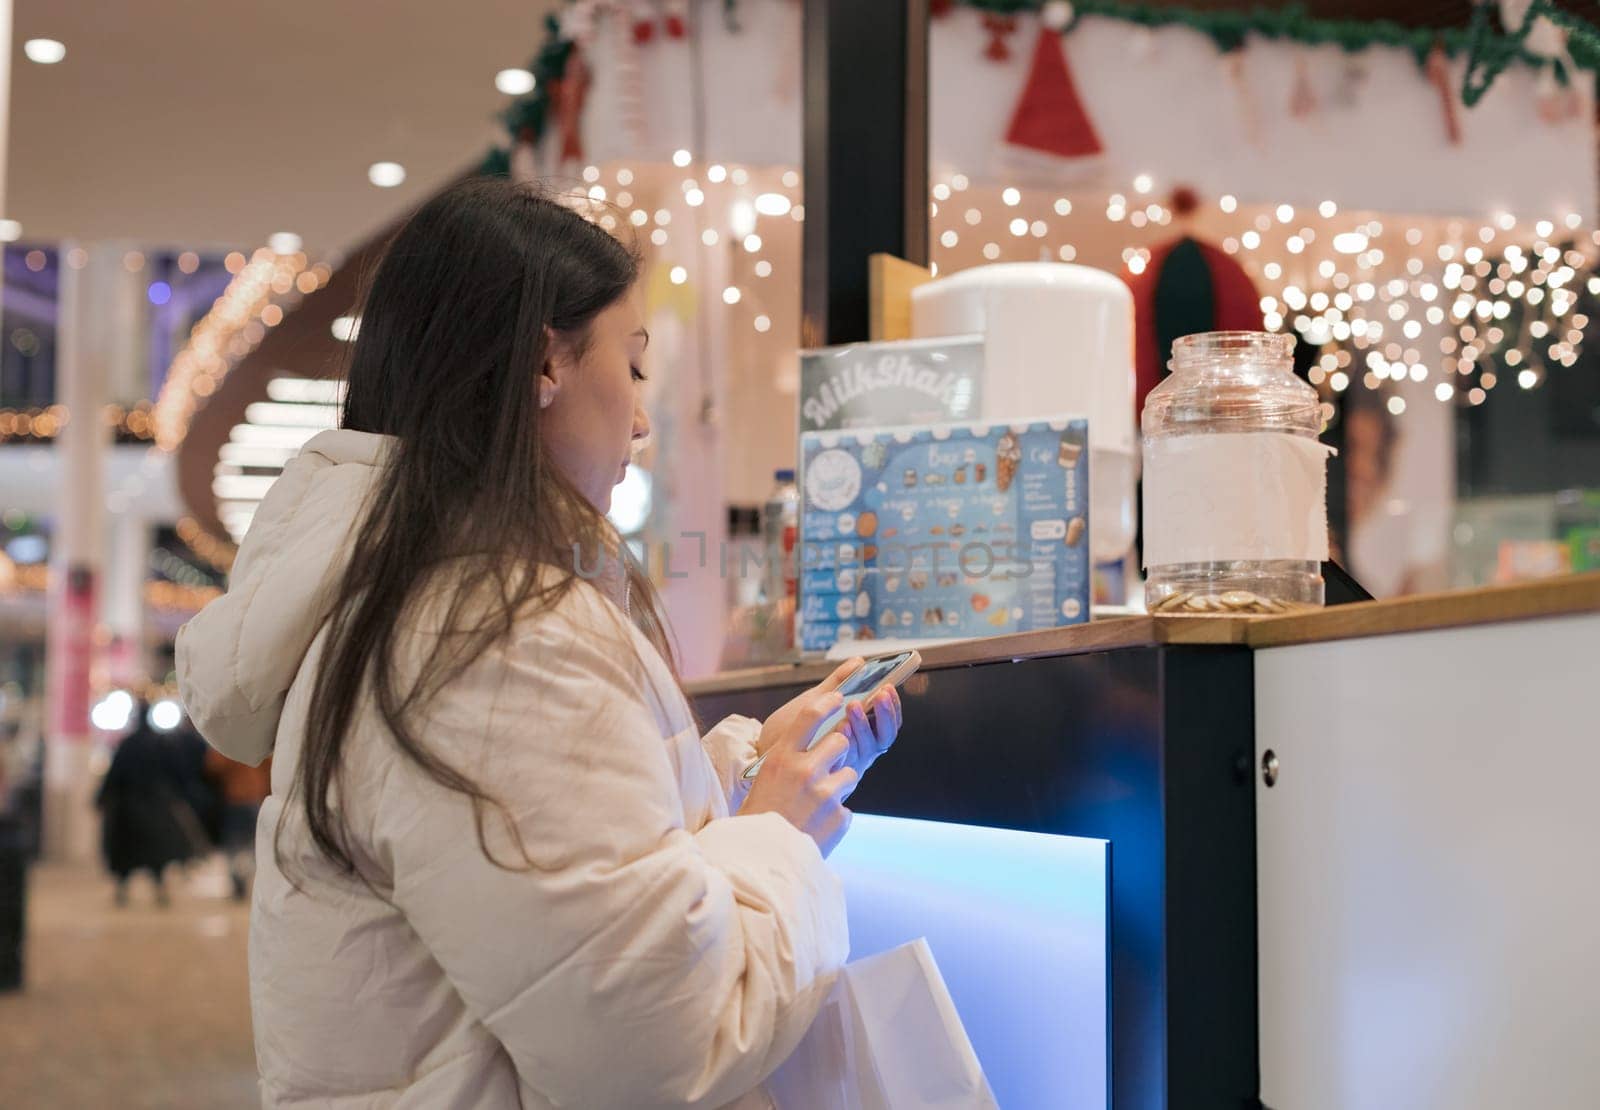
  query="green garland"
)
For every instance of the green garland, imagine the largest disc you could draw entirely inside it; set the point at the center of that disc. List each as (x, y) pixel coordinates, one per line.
(1228, 30)
(1489, 48)
(526, 116)
(1491, 51)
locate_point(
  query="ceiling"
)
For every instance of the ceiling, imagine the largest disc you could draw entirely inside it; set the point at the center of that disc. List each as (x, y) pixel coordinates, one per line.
(173, 123)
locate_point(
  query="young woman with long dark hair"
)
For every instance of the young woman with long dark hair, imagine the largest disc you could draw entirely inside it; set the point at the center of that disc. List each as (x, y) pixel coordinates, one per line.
(498, 866)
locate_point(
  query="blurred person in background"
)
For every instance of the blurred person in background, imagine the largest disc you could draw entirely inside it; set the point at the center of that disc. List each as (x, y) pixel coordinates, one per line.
(146, 807)
(243, 788)
(1380, 526)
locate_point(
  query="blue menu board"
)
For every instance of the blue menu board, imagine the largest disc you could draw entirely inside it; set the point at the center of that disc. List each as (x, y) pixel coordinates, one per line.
(943, 530)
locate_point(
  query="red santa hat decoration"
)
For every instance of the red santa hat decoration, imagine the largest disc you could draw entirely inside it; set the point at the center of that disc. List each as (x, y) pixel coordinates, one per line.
(1049, 117)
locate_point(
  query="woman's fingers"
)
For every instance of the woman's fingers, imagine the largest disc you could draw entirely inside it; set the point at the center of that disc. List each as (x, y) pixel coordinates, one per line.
(886, 718)
(840, 673)
(816, 710)
(828, 751)
(863, 740)
(839, 785)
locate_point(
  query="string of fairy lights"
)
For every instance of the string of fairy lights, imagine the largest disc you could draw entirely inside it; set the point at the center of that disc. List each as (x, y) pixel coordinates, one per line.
(1462, 304)
(159, 594)
(731, 206)
(263, 289)
(44, 423)
(256, 298)
(1466, 305)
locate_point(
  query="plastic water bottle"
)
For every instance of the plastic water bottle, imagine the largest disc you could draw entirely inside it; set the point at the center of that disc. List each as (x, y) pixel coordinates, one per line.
(780, 528)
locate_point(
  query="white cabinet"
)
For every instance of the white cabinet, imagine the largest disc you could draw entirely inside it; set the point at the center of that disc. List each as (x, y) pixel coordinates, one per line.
(1429, 869)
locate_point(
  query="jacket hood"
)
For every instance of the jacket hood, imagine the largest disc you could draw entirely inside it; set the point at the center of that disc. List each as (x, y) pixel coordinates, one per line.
(238, 657)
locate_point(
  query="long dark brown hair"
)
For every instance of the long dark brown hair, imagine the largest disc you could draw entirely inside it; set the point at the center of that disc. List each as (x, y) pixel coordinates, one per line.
(453, 335)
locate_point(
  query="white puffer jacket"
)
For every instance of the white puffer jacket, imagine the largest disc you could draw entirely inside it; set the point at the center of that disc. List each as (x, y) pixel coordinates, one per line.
(658, 952)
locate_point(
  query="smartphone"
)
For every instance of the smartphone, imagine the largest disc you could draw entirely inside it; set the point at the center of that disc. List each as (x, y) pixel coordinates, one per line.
(862, 686)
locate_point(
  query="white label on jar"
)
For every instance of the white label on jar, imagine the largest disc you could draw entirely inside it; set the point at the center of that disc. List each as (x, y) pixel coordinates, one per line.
(1233, 495)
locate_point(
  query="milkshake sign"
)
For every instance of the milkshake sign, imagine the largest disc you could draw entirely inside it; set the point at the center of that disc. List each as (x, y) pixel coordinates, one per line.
(874, 385)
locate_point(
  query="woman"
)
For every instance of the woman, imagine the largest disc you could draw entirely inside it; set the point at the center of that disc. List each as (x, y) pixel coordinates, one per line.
(146, 819)
(497, 867)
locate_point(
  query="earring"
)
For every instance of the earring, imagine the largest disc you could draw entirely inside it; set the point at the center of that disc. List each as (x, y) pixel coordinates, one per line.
(546, 394)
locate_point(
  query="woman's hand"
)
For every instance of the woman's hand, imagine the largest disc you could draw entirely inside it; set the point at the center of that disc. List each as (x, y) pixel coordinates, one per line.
(782, 720)
(806, 788)
(871, 733)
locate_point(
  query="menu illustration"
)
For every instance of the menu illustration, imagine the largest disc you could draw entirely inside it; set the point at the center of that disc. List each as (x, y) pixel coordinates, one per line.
(943, 530)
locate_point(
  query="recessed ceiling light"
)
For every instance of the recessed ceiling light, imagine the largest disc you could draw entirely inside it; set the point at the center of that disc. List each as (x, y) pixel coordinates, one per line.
(514, 82)
(386, 175)
(47, 52)
(283, 242)
(346, 328)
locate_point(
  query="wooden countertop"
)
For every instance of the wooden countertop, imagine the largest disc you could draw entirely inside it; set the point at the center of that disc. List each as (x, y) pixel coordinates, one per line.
(1550, 597)
(1579, 593)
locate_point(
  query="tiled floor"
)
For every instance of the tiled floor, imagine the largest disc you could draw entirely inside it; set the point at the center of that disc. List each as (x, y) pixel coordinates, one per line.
(136, 1007)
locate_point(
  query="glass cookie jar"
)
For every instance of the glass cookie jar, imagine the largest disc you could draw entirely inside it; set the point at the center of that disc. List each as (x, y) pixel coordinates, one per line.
(1235, 480)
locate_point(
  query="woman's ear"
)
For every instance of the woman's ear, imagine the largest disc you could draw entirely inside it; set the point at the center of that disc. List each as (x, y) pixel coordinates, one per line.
(557, 364)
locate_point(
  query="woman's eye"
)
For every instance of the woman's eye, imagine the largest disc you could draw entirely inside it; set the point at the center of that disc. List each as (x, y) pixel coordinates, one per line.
(638, 375)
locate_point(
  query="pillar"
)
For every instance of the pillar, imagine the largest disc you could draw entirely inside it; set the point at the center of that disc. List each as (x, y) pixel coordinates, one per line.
(84, 356)
(126, 569)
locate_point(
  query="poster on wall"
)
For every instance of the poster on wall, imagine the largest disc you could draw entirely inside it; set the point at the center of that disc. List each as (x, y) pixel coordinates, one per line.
(893, 382)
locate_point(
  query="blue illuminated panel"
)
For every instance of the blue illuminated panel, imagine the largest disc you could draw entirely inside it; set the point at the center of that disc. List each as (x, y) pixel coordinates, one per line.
(1017, 923)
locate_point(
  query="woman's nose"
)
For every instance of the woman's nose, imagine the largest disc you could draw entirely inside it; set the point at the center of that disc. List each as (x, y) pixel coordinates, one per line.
(641, 423)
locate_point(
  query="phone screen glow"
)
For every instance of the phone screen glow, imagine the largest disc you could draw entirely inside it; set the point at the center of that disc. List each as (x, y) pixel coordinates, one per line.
(869, 675)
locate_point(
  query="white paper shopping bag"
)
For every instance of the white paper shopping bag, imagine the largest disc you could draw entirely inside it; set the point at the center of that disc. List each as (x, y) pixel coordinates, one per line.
(887, 1038)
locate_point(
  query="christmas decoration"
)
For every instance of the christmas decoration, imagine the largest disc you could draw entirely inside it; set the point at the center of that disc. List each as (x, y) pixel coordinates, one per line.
(998, 27)
(567, 94)
(526, 117)
(1233, 66)
(1056, 15)
(1292, 22)
(1439, 75)
(1531, 33)
(676, 19)
(631, 83)
(576, 21)
(1502, 33)
(1049, 115)
(1353, 74)
(1302, 97)
(1558, 101)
